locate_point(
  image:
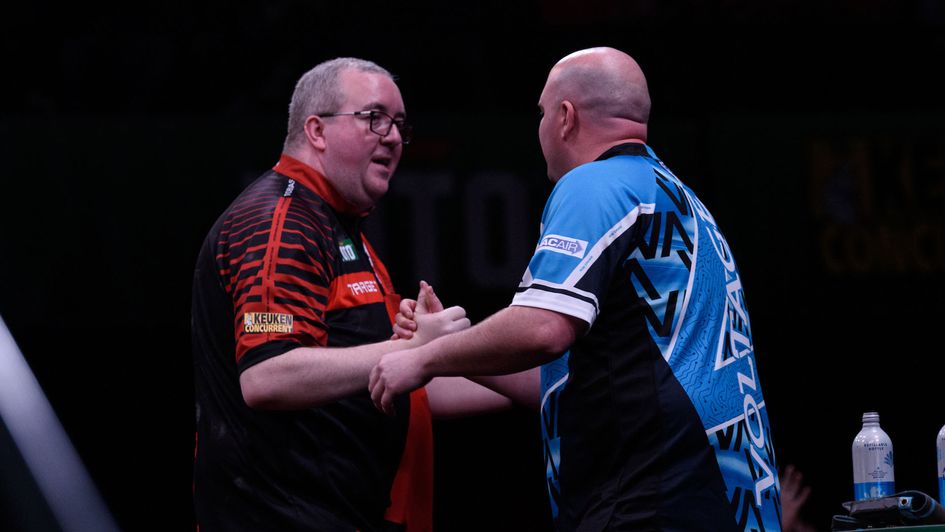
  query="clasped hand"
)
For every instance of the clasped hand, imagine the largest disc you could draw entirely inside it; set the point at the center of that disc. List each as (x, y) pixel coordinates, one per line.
(420, 321)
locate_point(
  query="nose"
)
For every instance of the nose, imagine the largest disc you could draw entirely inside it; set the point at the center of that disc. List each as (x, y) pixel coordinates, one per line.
(393, 136)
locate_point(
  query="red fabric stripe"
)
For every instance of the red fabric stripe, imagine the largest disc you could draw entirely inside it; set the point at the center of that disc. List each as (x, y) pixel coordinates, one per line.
(275, 239)
(411, 494)
(304, 236)
(238, 243)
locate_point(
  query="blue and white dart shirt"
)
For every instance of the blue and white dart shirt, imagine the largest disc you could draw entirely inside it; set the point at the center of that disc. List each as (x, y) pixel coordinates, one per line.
(653, 420)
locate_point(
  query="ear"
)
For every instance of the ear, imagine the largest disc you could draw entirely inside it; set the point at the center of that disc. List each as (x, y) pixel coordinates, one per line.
(315, 132)
(568, 119)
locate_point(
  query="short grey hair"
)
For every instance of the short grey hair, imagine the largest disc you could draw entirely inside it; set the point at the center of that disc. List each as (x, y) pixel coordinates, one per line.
(317, 92)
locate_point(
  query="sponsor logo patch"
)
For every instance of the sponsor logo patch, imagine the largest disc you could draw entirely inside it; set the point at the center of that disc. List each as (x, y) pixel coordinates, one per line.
(363, 287)
(268, 322)
(563, 244)
(346, 247)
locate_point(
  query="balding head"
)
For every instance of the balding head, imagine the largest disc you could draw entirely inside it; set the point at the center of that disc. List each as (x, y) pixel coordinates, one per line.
(594, 99)
(603, 81)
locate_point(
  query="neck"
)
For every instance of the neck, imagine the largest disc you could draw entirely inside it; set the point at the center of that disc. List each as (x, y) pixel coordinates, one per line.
(599, 138)
(307, 157)
(593, 150)
(606, 146)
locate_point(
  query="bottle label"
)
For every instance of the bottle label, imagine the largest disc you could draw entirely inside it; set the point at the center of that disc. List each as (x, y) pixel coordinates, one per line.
(873, 464)
(873, 490)
(873, 473)
(941, 490)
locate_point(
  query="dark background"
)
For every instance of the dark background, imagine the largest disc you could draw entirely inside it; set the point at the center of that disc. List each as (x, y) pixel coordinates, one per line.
(812, 130)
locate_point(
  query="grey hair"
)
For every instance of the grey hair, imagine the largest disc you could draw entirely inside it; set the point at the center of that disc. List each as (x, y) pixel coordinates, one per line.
(317, 92)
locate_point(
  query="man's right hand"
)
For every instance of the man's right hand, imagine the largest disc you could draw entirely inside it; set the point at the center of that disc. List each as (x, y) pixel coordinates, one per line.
(405, 323)
(433, 325)
(399, 371)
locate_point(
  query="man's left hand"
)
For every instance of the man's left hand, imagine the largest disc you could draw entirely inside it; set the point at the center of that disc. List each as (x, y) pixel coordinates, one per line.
(396, 373)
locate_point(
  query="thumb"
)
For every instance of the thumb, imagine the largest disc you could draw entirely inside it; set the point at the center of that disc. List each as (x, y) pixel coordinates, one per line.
(427, 301)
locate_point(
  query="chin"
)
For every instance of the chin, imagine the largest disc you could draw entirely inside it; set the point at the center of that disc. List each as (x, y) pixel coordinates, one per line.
(377, 191)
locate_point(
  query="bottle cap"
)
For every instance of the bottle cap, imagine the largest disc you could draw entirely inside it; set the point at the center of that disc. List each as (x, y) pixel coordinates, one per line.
(871, 417)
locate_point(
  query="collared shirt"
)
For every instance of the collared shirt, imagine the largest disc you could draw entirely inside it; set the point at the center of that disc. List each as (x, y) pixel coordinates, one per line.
(653, 420)
(287, 266)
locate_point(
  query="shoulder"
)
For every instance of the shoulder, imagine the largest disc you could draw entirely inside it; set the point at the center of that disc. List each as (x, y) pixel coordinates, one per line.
(275, 206)
(260, 195)
(610, 173)
(607, 180)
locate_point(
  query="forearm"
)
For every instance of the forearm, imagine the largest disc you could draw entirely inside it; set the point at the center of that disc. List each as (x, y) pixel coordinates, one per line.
(512, 340)
(523, 388)
(306, 377)
(452, 397)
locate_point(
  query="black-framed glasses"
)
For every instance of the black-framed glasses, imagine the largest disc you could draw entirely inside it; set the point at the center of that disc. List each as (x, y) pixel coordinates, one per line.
(381, 123)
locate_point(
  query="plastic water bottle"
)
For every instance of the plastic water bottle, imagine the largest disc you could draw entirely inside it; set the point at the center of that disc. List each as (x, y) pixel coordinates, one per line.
(873, 474)
(940, 448)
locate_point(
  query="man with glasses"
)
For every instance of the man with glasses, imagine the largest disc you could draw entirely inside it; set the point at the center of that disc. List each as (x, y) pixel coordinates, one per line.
(291, 310)
(629, 327)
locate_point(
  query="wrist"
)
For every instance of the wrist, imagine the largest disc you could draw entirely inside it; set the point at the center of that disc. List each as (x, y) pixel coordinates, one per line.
(423, 359)
(408, 343)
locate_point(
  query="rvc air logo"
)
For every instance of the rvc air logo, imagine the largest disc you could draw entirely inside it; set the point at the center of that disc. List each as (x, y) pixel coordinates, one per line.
(563, 244)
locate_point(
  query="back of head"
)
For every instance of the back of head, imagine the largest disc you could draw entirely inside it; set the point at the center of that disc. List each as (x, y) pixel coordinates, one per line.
(317, 91)
(605, 82)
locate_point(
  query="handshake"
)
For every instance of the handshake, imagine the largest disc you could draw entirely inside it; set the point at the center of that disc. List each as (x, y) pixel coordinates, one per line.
(417, 323)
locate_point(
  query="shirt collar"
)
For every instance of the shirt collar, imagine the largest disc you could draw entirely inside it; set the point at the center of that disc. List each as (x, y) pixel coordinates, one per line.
(627, 148)
(313, 180)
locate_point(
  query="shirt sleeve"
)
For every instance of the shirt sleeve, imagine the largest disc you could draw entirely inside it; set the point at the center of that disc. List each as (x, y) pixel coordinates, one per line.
(279, 282)
(586, 230)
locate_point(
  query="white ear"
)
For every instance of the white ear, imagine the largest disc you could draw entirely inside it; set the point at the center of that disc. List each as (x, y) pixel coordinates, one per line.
(568, 119)
(314, 129)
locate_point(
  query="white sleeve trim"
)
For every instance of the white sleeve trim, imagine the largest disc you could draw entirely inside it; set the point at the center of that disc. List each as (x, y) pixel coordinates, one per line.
(558, 302)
